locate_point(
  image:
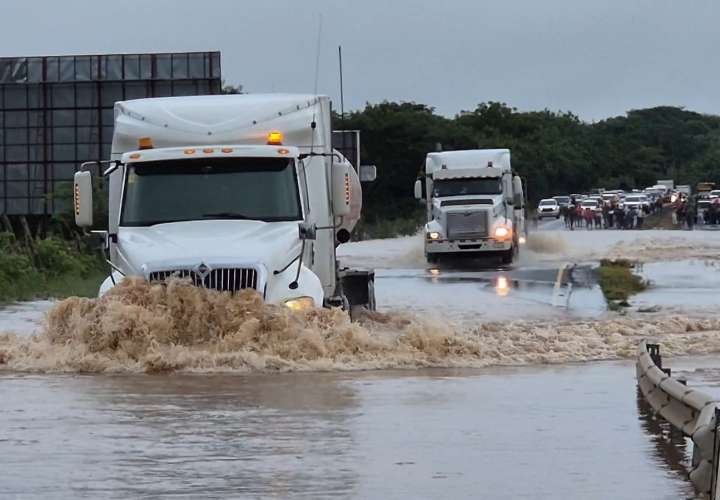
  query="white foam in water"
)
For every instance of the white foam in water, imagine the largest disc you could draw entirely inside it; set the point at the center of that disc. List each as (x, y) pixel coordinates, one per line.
(152, 328)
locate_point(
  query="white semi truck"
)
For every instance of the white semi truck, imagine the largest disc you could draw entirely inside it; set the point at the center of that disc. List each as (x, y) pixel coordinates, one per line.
(231, 192)
(475, 204)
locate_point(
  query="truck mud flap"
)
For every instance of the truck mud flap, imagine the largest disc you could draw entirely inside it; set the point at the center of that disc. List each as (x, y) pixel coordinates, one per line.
(358, 286)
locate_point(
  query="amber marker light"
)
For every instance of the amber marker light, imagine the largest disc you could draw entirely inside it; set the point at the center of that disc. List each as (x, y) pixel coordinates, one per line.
(275, 138)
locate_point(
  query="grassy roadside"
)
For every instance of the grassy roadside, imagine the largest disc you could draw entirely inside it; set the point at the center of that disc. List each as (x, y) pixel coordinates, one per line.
(618, 282)
(51, 268)
(661, 219)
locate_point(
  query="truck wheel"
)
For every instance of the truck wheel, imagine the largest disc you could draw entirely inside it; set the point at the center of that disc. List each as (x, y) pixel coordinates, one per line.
(356, 311)
(508, 255)
(431, 258)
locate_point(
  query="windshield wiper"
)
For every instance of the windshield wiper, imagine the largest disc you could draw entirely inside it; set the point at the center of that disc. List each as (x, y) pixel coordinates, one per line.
(226, 215)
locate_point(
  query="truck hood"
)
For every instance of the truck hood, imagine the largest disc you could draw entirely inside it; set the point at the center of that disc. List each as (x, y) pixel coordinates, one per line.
(219, 243)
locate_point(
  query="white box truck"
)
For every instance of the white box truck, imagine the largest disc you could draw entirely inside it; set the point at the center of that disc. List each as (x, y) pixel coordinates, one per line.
(231, 192)
(475, 204)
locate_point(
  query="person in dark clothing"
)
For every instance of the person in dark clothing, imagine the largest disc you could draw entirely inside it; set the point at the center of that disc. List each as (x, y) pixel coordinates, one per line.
(630, 218)
(606, 215)
(680, 213)
(620, 217)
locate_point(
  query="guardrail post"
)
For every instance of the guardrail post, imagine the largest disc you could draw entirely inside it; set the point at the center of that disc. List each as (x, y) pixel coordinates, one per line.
(654, 351)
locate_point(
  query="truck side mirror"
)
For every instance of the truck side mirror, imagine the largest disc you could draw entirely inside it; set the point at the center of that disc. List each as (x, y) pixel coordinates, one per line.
(368, 173)
(519, 196)
(307, 231)
(342, 189)
(418, 189)
(83, 199)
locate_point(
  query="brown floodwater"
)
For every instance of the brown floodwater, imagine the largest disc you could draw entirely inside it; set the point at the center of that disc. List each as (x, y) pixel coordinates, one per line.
(570, 431)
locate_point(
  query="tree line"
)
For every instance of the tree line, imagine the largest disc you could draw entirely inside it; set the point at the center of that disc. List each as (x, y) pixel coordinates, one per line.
(555, 152)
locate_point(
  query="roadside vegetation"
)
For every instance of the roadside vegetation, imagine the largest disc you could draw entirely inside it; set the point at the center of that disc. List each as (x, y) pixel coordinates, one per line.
(661, 220)
(47, 267)
(618, 282)
(390, 227)
(555, 152)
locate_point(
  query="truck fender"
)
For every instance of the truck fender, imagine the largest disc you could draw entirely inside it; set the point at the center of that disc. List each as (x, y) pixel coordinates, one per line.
(109, 283)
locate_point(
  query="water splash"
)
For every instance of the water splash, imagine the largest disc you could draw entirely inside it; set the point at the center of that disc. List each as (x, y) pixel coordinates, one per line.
(142, 327)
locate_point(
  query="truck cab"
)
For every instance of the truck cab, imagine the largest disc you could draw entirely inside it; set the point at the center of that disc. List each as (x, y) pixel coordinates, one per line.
(475, 205)
(231, 193)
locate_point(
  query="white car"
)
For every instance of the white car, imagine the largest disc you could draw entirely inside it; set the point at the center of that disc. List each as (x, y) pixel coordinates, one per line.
(715, 193)
(548, 208)
(593, 204)
(637, 201)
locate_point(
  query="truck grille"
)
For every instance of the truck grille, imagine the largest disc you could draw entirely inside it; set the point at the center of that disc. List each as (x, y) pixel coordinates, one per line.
(221, 279)
(467, 225)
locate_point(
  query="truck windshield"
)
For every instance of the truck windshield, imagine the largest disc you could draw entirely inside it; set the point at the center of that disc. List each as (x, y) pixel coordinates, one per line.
(211, 188)
(460, 187)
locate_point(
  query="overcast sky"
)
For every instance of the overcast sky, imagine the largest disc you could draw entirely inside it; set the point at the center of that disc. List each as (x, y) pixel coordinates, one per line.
(597, 58)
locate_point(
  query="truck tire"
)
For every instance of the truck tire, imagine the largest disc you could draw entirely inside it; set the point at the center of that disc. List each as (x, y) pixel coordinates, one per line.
(508, 255)
(431, 258)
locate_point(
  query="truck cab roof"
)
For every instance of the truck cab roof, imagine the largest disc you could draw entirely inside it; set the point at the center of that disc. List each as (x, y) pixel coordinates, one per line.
(222, 119)
(468, 160)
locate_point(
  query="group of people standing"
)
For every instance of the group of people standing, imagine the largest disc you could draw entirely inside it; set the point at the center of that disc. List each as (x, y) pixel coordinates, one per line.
(687, 214)
(612, 215)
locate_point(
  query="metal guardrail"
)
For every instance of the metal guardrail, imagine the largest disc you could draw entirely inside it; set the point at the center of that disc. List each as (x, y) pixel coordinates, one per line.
(561, 290)
(691, 411)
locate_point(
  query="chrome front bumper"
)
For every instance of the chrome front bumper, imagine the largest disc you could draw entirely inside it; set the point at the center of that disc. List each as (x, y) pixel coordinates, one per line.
(459, 246)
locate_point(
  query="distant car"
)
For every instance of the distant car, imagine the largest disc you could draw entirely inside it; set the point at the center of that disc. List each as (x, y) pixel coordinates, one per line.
(548, 207)
(592, 203)
(609, 197)
(563, 201)
(715, 193)
(637, 201)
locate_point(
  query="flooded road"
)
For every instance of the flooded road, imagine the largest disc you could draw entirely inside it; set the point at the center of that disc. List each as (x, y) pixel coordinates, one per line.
(569, 431)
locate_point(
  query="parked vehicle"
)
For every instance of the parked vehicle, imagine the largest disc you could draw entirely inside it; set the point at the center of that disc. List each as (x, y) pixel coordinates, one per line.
(548, 207)
(591, 203)
(231, 192)
(563, 201)
(705, 187)
(608, 198)
(637, 201)
(475, 204)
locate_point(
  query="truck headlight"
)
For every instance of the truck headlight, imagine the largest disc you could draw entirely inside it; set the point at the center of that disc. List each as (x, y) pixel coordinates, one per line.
(300, 303)
(501, 232)
(434, 235)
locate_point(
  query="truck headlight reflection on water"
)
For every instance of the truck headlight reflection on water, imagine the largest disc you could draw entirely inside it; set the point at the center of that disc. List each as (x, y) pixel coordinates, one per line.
(502, 286)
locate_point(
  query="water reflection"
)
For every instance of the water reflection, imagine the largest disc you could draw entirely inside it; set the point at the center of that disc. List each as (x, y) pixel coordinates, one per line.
(502, 286)
(245, 436)
(670, 446)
